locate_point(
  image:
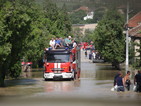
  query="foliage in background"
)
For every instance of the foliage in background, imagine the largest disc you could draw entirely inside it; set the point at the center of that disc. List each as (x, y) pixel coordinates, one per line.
(100, 6)
(60, 24)
(25, 30)
(77, 17)
(96, 4)
(88, 37)
(78, 35)
(109, 38)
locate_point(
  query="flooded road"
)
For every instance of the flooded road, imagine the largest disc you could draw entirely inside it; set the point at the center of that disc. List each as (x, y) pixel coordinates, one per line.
(93, 88)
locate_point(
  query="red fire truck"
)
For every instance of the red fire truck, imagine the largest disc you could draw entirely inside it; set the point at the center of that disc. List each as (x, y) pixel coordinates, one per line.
(62, 64)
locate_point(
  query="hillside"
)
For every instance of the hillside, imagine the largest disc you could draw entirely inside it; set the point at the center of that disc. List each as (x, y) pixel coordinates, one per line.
(94, 4)
(99, 6)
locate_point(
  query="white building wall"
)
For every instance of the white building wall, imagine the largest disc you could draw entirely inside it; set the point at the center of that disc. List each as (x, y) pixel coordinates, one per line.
(90, 15)
(137, 47)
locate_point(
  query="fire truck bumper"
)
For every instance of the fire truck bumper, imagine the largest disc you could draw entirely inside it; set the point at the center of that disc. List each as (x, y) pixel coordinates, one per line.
(58, 75)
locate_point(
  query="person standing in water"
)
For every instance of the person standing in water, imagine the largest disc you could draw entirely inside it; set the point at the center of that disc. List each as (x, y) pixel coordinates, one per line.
(127, 81)
(120, 83)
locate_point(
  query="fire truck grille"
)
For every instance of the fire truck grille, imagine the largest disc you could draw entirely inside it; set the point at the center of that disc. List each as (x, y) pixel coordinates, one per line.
(57, 70)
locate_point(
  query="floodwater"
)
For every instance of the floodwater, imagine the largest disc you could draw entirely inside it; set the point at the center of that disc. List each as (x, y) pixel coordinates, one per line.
(93, 88)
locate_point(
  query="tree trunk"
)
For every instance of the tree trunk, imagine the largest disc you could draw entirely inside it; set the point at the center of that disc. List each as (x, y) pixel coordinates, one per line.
(2, 77)
(2, 74)
(116, 65)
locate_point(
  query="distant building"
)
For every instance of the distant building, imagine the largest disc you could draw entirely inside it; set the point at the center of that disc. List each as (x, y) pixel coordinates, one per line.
(135, 20)
(90, 15)
(134, 25)
(84, 8)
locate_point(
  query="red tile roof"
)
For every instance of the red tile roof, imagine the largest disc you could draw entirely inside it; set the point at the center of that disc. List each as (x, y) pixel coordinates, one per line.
(84, 8)
(136, 31)
(135, 20)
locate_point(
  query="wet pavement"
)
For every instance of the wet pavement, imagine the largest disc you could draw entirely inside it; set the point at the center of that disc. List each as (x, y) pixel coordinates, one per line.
(93, 88)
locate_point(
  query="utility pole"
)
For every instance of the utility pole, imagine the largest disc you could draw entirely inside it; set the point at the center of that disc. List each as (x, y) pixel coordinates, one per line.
(127, 40)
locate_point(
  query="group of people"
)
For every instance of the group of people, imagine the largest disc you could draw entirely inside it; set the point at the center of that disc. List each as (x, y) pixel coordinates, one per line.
(124, 82)
(93, 54)
(59, 42)
(96, 55)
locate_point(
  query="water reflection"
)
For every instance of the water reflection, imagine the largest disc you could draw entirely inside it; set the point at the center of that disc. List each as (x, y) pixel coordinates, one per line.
(18, 87)
(105, 74)
(88, 70)
(98, 71)
(61, 86)
(26, 74)
(33, 73)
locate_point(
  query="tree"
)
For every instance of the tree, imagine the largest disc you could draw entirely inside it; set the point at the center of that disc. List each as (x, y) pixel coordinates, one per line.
(77, 17)
(59, 21)
(110, 40)
(88, 36)
(78, 35)
(21, 36)
(25, 30)
(67, 25)
(5, 47)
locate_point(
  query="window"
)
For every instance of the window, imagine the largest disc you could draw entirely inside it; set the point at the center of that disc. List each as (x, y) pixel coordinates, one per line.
(58, 58)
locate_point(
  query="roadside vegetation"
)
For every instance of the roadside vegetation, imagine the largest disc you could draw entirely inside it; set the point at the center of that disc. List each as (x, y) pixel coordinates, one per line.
(25, 29)
(109, 39)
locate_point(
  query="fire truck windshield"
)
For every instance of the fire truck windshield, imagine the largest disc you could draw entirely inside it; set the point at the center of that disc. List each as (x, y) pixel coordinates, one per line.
(58, 58)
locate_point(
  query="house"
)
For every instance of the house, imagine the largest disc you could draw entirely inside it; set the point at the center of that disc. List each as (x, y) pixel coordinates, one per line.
(84, 8)
(89, 16)
(134, 26)
(135, 20)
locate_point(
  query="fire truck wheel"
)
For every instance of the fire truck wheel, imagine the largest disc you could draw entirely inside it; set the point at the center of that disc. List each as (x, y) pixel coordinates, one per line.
(72, 79)
(74, 75)
(46, 79)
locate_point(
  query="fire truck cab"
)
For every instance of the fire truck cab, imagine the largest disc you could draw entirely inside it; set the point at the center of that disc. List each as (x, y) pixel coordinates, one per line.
(62, 64)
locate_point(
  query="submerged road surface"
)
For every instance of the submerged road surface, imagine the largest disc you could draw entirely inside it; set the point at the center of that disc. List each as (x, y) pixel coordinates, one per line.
(92, 89)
